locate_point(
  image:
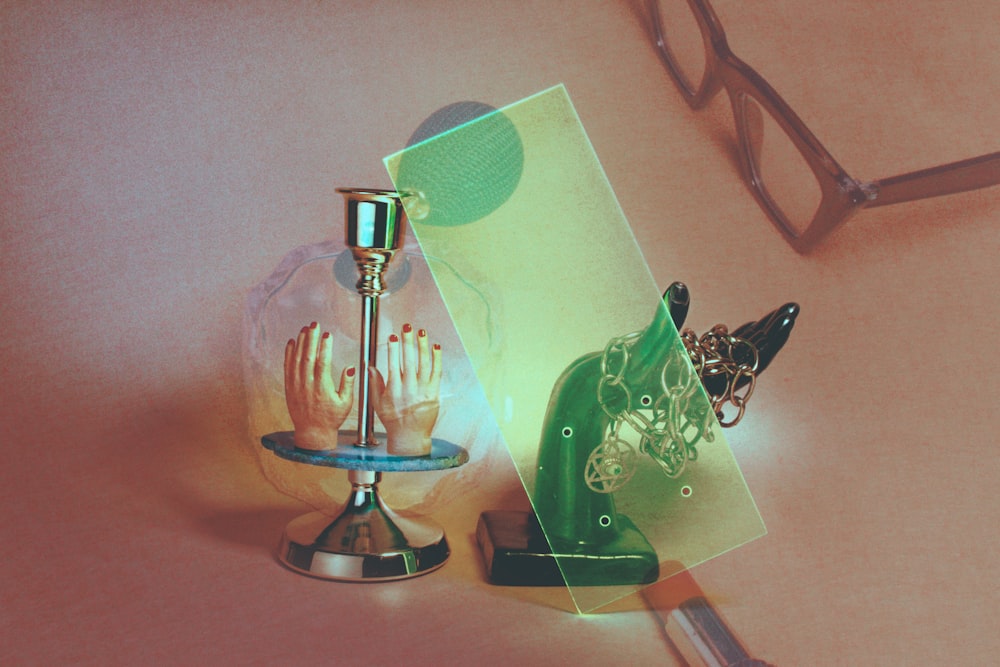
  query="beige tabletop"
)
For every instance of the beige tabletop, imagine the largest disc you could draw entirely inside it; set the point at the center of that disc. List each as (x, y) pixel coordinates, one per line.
(157, 161)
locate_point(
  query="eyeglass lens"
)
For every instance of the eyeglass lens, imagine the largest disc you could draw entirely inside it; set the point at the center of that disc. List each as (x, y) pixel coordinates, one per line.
(682, 39)
(780, 172)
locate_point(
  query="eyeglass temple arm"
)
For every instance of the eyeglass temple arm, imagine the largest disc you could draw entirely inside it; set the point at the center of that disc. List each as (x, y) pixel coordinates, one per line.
(972, 174)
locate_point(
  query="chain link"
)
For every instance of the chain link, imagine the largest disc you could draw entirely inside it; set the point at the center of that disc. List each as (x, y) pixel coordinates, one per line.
(670, 429)
(719, 353)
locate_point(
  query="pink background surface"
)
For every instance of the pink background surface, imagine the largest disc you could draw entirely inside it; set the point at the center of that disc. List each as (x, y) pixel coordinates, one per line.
(158, 161)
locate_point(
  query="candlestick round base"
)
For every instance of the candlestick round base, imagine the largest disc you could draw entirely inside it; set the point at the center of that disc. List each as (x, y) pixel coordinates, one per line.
(363, 544)
(367, 541)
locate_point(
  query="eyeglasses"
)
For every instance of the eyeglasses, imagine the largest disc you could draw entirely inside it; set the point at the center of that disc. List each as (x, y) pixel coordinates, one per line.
(792, 176)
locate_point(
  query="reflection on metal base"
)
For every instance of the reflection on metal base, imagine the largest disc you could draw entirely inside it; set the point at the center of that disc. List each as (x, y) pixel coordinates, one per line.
(366, 542)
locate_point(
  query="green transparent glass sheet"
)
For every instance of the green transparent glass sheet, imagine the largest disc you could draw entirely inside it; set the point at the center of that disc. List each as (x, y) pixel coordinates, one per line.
(517, 205)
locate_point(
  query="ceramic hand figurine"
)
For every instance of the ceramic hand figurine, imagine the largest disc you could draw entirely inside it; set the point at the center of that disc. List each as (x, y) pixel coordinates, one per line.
(317, 406)
(408, 401)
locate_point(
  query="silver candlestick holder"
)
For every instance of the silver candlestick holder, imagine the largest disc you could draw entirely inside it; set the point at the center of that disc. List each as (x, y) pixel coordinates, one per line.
(374, 232)
(367, 540)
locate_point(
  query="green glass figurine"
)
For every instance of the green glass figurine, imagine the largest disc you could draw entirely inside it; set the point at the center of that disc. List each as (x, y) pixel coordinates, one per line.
(641, 383)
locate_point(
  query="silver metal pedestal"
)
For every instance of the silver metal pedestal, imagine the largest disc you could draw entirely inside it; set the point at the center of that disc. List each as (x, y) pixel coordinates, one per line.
(367, 541)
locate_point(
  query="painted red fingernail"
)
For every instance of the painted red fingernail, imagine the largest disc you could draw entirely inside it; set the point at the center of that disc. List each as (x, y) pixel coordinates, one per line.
(350, 372)
(326, 335)
(393, 338)
(422, 333)
(407, 328)
(436, 346)
(313, 325)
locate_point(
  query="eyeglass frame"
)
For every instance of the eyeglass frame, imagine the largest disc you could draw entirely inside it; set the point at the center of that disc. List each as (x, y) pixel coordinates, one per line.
(841, 195)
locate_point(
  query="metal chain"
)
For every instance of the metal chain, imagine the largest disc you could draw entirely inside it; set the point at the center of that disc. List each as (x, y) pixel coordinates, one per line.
(669, 431)
(717, 353)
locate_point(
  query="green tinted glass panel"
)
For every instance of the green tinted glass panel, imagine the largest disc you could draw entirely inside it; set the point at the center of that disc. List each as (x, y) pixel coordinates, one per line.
(612, 435)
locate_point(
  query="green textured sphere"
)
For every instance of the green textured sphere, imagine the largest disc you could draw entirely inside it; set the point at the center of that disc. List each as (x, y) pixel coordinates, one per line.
(465, 173)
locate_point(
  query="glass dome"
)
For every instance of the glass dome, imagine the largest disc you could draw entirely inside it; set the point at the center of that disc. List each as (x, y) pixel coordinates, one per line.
(317, 283)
